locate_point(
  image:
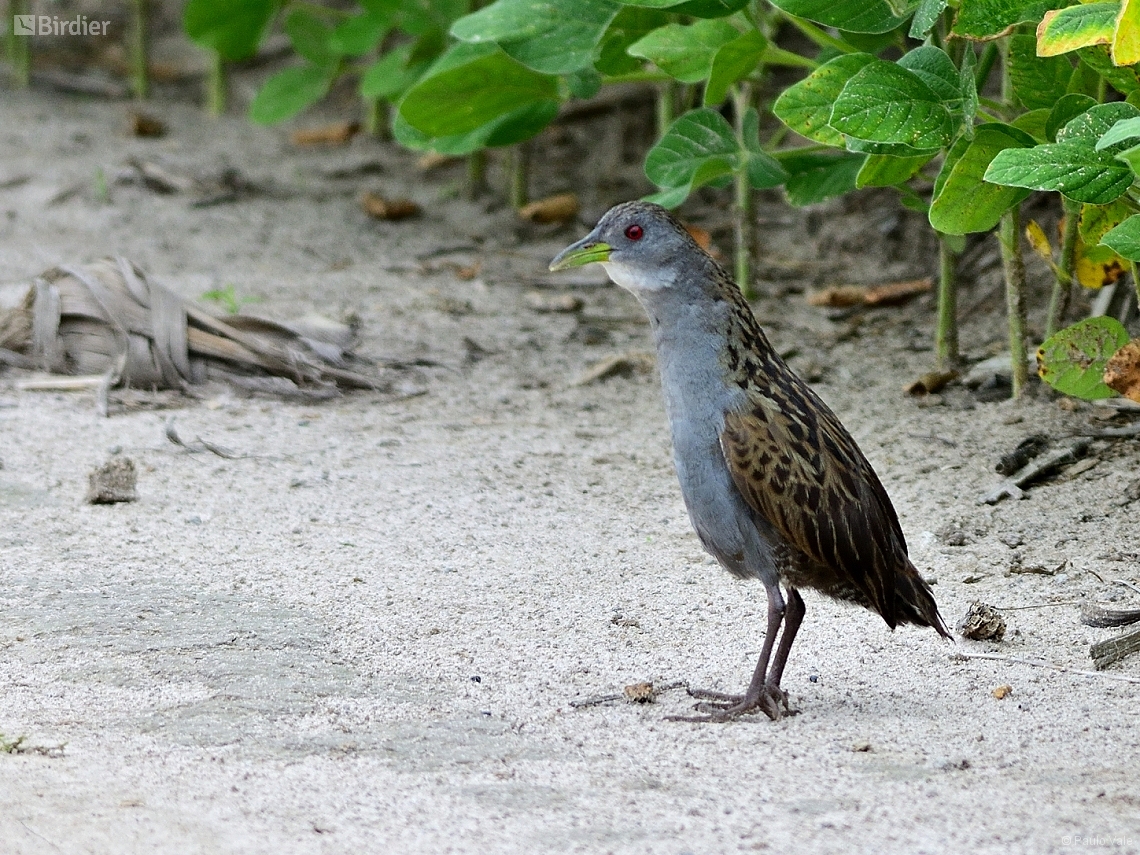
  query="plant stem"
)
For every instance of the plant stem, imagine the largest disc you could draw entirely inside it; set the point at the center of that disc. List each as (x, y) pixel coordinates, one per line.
(742, 201)
(666, 107)
(1013, 265)
(985, 65)
(140, 81)
(216, 86)
(376, 117)
(19, 47)
(818, 36)
(946, 338)
(1063, 274)
(520, 175)
(476, 173)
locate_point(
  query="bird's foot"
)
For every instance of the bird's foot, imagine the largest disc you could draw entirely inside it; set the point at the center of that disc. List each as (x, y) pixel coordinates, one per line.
(719, 706)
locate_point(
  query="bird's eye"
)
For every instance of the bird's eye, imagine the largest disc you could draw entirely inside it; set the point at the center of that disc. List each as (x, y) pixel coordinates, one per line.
(634, 232)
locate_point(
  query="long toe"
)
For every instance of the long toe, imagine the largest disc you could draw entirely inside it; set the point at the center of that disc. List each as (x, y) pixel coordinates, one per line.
(771, 700)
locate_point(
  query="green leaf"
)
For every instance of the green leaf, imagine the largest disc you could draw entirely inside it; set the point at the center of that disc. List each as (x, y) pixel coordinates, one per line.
(814, 178)
(886, 103)
(630, 25)
(963, 201)
(734, 61)
(1064, 30)
(359, 34)
(1065, 110)
(424, 17)
(551, 36)
(855, 16)
(805, 107)
(989, 19)
(1096, 221)
(584, 83)
(290, 91)
(391, 75)
(968, 87)
(508, 129)
(1125, 129)
(1124, 240)
(936, 70)
(890, 149)
(1038, 82)
(764, 171)
(1073, 360)
(1072, 165)
(471, 86)
(685, 52)
(1033, 123)
(1126, 80)
(310, 36)
(234, 31)
(692, 8)
(709, 8)
(698, 148)
(883, 170)
(925, 17)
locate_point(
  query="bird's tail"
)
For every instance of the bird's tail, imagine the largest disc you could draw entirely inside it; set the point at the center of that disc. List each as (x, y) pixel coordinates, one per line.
(914, 601)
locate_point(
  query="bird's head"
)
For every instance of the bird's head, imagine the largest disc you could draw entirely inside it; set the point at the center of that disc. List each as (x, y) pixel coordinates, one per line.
(641, 245)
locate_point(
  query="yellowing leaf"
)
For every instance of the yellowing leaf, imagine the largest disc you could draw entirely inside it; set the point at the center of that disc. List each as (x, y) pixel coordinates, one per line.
(1126, 39)
(1097, 266)
(1038, 241)
(1063, 30)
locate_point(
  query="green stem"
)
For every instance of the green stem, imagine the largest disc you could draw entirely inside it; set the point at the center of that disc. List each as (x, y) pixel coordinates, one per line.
(985, 64)
(520, 175)
(376, 117)
(19, 47)
(1063, 274)
(666, 107)
(946, 339)
(779, 56)
(216, 86)
(742, 199)
(818, 36)
(140, 81)
(1013, 265)
(476, 173)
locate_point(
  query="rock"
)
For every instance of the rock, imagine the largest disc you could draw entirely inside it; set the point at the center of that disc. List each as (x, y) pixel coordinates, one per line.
(982, 622)
(114, 481)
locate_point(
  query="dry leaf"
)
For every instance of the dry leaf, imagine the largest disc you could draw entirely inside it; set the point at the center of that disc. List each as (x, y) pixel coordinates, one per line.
(142, 125)
(897, 292)
(1003, 691)
(435, 160)
(838, 296)
(379, 208)
(337, 133)
(553, 209)
(640, 693)
(929, 383)
(1037, 239)
(1122, 372)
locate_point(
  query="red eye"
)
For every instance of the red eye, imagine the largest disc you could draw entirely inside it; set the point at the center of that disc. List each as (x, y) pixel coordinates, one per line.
(634, 232)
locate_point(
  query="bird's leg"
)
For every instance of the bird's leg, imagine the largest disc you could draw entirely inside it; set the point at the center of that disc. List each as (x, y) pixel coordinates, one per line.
(762, 693)
(793, 617)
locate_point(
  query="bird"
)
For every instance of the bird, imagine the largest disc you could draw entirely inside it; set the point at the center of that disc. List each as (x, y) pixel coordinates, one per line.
(775, 486)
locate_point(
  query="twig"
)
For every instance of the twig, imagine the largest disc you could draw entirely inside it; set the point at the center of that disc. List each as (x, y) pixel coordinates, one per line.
(1097, 615)
(1127, 584)
(622, 696)
(1104, 653)
(199, 444)
(1041, 663)
(1011, 487)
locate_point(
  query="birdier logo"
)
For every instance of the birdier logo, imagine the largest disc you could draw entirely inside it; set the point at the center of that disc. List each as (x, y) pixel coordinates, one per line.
(51, 25)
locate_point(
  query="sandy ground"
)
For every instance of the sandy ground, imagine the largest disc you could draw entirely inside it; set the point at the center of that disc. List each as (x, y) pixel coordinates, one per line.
(365, 633)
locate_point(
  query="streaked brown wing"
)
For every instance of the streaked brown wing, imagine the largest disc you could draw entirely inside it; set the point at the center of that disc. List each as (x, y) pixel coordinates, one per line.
(799, 469)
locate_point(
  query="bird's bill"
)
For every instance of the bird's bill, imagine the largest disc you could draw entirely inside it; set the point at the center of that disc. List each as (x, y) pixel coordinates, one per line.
(583, 252)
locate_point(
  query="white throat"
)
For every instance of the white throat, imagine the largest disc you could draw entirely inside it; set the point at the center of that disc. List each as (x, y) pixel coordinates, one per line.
(638, 279)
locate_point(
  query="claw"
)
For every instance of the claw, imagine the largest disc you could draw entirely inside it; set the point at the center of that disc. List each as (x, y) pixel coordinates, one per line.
(722, 707)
